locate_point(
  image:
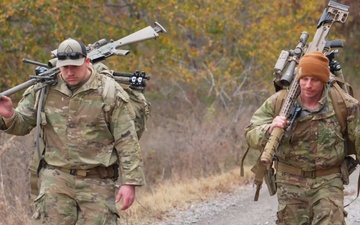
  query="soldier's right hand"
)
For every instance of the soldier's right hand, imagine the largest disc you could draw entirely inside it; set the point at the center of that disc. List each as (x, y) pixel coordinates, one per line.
(280, 122)
(6, 107)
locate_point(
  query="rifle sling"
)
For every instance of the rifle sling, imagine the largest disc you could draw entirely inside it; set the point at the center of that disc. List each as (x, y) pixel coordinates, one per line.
(259, 169)
(357, 194)
(38, 122)
(242, 162)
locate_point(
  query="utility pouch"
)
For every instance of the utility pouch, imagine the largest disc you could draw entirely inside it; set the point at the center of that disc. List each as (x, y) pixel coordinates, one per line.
(270, 180)
(344, 169)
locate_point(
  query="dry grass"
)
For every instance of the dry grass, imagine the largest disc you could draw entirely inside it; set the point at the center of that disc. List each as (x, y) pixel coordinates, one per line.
(170, 195)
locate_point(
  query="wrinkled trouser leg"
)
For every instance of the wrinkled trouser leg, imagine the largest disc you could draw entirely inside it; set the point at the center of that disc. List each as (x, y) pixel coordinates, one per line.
(322, 204)
(328, 207)
(292, 206)
(68, 200)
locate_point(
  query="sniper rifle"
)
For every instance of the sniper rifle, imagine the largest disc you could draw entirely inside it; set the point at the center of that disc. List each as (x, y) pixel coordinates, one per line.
(99, 51)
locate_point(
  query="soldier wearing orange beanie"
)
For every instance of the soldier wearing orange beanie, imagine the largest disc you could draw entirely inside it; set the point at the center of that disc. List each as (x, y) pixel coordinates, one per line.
(310, 157)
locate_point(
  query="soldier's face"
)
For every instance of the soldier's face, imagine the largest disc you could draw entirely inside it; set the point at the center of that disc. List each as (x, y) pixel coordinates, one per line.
(311, 87)
(74, 75)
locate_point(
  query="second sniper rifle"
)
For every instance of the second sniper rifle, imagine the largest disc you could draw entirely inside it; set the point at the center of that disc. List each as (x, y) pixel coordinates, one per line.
(136, 80)
(97, 54)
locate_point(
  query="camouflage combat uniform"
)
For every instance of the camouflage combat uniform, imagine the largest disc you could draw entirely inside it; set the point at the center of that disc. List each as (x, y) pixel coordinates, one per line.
(78, 134)
(315, 143)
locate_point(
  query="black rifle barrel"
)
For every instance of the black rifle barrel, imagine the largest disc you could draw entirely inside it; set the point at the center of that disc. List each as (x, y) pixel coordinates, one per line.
(123, 74)
(35, 63)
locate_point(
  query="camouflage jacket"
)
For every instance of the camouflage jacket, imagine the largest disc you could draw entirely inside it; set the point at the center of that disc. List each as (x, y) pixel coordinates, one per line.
(315, 140)
(76, 132)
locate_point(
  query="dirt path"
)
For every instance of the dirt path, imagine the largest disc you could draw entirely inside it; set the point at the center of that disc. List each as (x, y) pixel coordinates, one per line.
(240, 209)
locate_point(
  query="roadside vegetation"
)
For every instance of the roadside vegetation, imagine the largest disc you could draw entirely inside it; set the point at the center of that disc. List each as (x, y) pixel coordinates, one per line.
(209, 73)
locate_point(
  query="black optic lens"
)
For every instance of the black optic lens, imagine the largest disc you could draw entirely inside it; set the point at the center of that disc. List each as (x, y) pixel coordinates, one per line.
(75, 55)
(71, 55)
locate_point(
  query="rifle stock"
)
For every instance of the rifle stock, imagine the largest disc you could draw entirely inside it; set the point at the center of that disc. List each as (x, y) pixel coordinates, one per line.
(103, 49)
(335, 12)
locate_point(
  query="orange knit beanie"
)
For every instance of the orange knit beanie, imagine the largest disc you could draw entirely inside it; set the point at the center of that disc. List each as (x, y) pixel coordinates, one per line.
(314, 64)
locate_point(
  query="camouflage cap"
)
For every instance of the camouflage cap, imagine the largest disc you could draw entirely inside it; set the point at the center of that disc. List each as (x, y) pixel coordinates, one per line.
(71, 52)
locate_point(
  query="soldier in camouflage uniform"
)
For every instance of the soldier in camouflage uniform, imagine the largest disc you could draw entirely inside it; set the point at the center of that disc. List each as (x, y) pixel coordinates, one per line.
(311, 154)
(85, 149)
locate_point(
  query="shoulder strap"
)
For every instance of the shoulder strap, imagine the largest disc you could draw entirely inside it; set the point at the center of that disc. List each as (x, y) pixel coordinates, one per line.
(341, 110)
(108, 96)
(337, 96)
(280, 100)
(39, 134)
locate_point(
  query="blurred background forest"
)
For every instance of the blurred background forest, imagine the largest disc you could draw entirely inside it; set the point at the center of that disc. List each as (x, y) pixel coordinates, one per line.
(209, 73)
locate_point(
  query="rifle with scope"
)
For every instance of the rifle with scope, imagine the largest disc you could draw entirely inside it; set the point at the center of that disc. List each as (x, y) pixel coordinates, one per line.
(97, 52)
(288, 61)
(285, 77)
(136, 80)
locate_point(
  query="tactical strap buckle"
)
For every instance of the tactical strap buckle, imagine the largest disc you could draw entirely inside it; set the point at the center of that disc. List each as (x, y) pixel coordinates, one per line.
(308, 174)
(77, 172)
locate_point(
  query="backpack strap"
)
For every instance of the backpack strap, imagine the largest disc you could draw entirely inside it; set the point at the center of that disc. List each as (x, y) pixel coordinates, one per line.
(38, 156)
(338, 77)
(338, 97)
(108, 95)
(40, 101)
(280, 100)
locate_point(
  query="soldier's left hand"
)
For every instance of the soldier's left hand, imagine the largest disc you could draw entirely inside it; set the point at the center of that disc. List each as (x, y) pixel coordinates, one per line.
(127, 195)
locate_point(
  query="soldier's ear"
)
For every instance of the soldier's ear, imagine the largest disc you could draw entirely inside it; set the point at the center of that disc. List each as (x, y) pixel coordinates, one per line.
(87, 60)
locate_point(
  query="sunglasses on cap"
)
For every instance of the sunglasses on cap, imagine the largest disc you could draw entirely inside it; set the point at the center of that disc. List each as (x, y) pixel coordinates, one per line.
(71, 55)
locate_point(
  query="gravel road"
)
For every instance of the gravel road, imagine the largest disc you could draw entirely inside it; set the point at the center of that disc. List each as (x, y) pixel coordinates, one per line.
(239, 208)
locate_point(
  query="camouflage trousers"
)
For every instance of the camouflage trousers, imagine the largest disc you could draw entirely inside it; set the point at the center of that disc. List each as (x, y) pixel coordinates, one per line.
(65, 199)
(318, 201)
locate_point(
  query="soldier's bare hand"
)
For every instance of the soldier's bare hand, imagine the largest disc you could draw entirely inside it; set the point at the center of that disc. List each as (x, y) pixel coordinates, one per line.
(280, 122)
(127, 195)
(6, 107)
